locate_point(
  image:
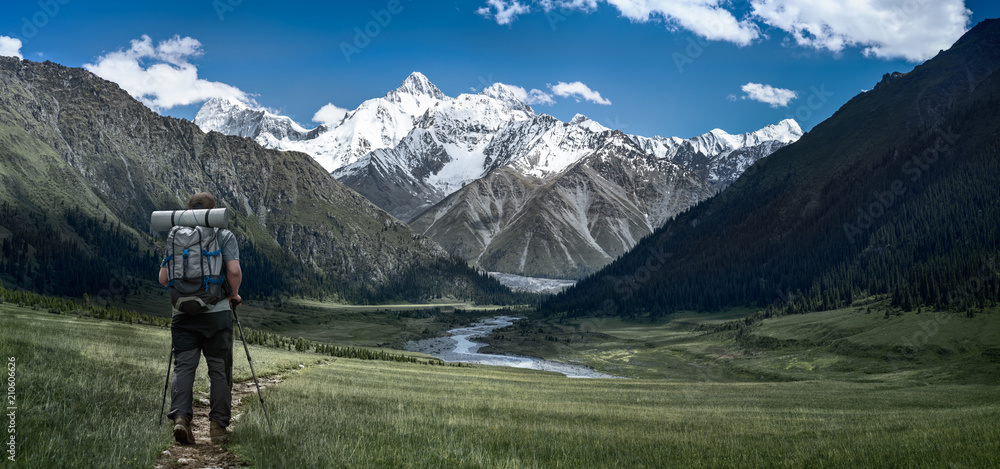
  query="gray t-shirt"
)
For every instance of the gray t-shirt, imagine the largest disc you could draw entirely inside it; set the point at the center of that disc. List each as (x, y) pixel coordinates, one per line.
(230, 248)
(230, 251)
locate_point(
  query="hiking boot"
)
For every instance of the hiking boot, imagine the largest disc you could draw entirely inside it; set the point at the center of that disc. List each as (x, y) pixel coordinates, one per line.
(217, 432)
(182, 431)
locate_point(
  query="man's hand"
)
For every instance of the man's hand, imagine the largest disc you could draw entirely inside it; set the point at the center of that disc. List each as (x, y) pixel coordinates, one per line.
(235, 301)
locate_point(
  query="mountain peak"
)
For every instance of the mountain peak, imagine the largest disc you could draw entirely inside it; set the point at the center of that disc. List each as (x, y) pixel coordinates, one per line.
(510, 95)
(719, 133)
(786, 131)
(418, 85)
(585, 122)
(889, 78)
(234, 117)
(227, 103)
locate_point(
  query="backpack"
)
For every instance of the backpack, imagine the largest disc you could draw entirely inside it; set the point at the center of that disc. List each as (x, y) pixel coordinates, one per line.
(194, 268)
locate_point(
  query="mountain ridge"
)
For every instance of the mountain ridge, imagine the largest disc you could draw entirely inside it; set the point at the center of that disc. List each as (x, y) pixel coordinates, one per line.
(450, 143)
(69, 137)
(890, 196)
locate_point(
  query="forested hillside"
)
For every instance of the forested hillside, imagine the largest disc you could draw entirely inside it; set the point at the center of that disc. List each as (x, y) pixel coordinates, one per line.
(83, 164)
(894, 195)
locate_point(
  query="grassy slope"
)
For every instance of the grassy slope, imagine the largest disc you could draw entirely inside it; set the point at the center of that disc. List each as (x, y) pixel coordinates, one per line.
(354, 414)
(844, 344)
(88, 391)
(345, 325)
(366, 326)
(69, 138)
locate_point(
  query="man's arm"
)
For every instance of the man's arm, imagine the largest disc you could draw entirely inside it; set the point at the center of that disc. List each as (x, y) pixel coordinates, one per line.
(234, 275)
(163, 276)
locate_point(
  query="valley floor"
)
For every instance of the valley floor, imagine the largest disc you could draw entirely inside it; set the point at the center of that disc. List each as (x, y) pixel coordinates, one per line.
(815, 390)
(364, 414)
(869, 343)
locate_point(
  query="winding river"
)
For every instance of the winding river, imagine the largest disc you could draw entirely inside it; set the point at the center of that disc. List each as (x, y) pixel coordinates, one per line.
(459, 346)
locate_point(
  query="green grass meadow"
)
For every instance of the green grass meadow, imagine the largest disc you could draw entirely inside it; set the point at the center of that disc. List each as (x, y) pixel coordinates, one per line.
(346, 325)
(365, 414)
(849, 344)
(88, 391)
(88, 394)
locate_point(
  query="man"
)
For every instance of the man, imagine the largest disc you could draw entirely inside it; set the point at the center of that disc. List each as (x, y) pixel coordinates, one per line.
(209, 333)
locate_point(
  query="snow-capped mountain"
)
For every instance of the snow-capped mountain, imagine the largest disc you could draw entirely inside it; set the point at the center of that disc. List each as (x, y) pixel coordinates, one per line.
(508, 96)
(718, 156)
(570, 223)
(375, 124)
(233, 117)
(503, 186)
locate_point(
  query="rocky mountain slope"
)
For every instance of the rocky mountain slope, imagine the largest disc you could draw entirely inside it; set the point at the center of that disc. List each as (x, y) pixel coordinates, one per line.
(74, 146)
(568, 224)
(421, 146)
(554, 221)
(894, 196)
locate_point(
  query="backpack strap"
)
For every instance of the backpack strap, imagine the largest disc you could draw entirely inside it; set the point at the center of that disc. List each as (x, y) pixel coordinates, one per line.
(168, 262)
(201, 259)
(207, 256)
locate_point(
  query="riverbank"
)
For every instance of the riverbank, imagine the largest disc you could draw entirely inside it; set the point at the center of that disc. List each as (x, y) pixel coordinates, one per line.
(459, 346)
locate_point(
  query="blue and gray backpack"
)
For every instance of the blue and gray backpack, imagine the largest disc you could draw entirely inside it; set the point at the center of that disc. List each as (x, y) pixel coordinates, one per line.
(194, 268)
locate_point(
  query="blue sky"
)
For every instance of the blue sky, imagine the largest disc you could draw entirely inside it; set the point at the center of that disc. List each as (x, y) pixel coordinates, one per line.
(647, 67)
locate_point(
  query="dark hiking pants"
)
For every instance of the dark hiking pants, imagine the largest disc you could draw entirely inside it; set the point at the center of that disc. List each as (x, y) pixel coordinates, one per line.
(210, 334)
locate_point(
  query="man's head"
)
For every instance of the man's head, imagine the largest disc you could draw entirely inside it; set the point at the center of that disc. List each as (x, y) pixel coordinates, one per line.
(201, 200)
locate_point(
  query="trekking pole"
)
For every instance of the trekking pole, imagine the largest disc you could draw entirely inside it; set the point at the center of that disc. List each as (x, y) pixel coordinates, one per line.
(170, 361)
(254, 373)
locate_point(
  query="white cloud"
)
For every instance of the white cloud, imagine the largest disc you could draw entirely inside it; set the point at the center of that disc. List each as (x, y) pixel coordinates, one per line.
(705, 18)
(503, 12)
(578, 90)
(329, 114)
(584, 5)
(910, 29)
(536, 96)
(162, 76)
(776, 97)
(913, 29)
(10, 47)
(533, 97)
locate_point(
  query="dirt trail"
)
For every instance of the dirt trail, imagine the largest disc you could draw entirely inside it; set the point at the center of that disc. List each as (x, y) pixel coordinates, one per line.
(204, 453)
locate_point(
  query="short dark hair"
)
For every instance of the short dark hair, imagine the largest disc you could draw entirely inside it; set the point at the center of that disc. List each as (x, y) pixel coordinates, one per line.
(201, 200)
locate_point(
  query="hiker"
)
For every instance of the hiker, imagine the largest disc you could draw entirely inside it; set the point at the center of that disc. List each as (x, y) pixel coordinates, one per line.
(209, 333)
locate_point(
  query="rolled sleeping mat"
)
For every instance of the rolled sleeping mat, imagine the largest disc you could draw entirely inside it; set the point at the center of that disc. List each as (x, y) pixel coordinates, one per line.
(163, 220)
